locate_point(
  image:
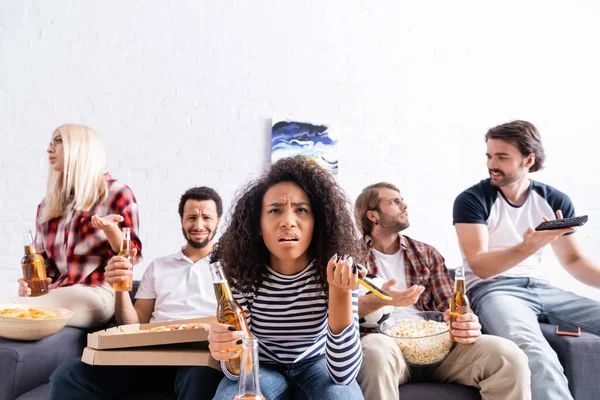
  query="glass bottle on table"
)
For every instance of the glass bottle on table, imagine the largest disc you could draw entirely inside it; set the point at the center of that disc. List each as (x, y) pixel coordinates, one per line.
(34, 268)
(459, 303)
(249, 381)
(127, 284)
(229, 311)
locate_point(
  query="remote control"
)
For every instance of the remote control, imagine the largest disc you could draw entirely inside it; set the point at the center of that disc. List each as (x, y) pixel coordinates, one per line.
(562, 223)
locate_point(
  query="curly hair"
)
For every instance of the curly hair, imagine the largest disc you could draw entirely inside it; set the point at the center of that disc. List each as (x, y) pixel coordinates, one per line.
(242, 251)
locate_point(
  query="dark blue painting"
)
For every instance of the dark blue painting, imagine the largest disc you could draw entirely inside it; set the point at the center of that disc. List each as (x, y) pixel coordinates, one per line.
(314, 141)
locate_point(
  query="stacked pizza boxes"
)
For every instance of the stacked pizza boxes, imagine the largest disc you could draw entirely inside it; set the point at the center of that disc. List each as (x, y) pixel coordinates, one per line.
(181, 342)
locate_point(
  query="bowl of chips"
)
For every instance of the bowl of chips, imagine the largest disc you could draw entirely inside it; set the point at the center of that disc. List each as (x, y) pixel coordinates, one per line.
(31, 322)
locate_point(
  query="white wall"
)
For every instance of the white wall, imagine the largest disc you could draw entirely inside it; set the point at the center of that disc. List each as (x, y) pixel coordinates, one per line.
(182, 93)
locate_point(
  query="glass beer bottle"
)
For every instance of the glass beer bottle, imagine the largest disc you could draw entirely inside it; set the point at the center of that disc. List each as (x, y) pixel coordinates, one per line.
(228, 310)
(249, 382)
(34, 269)
(459, 303)
(126, 285)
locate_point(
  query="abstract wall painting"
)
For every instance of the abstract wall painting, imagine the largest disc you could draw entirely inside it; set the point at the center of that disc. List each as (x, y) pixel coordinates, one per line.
(314, 141)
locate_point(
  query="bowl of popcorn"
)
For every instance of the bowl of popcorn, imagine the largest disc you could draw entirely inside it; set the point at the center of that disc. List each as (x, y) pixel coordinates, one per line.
(423, 337)
(31, 322)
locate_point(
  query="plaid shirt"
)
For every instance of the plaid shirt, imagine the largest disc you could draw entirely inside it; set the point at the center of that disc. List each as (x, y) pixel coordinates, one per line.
(423, 266)
(74, 251)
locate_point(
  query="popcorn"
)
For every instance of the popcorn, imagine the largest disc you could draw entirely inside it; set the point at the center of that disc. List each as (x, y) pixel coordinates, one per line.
(422, 342)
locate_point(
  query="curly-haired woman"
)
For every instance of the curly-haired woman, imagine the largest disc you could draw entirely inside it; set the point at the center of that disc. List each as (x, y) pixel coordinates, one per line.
(277, 253)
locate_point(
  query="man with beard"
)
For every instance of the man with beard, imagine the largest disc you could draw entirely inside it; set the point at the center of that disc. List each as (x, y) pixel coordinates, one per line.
(417, 280)
(507, 286)
(174, 287)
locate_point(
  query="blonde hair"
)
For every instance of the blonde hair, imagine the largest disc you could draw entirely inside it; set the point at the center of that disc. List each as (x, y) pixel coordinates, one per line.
(367, 201)
(83, 176)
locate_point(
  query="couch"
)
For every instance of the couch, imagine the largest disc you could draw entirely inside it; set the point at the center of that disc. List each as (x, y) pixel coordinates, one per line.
(25, 367)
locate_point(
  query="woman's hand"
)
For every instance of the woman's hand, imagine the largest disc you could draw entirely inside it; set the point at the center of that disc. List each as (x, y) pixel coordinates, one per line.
(119, 268)
(224, 341)
(25, 290)
(341, 274)
(107, 222)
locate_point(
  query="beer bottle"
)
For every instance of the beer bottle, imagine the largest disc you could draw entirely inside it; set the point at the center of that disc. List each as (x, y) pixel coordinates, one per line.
(459, 303)
(34, 268)
(229, 311)
(126, 285)
(249, 382)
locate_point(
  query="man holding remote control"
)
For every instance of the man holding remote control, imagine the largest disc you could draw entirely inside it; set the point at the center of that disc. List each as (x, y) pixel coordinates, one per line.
(495, 221)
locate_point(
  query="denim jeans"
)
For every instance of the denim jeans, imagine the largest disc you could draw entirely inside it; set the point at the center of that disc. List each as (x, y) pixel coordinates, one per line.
(305, 380)
(76, 380)
(513, 307)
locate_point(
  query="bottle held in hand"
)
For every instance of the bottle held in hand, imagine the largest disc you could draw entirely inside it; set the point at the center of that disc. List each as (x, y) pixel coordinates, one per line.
(127, 284)
(459, 303)
(229, 311)
(34, 269)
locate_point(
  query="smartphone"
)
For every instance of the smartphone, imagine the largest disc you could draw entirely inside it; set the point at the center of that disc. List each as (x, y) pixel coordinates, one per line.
(562, 223)
(568, 330)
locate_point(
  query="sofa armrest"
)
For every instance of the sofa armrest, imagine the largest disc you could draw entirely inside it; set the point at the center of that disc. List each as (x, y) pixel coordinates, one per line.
(580, 358)
(24, 365)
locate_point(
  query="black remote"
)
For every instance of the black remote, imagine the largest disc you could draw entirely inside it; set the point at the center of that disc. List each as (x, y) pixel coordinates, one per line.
(562, 223)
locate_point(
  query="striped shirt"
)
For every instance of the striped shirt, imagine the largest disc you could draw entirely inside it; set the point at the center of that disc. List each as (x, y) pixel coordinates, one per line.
(288, 315)
(74, 251)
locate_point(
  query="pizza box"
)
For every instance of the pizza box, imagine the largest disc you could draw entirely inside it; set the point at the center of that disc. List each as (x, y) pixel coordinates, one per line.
(140, 335)
(182, 354)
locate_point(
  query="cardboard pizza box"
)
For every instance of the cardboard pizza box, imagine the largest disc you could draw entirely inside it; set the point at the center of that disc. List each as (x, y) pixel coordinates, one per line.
(152, 334)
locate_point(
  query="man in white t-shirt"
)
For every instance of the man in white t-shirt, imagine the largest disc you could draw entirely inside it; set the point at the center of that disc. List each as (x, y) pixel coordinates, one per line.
(507, 285)
(177, 286)
(417, 280)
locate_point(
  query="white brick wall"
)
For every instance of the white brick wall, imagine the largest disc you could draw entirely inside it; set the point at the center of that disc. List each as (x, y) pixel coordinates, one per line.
(182, 93)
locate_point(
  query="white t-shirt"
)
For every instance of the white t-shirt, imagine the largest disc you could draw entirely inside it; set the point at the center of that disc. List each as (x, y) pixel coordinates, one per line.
(506, 223)
(182, 289)
(392, 266)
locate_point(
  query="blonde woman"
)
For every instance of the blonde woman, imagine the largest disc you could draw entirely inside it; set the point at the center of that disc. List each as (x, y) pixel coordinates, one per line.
(77, 227)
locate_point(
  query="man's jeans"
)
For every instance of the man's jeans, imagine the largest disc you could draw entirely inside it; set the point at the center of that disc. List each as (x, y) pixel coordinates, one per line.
(74, 380)
(513, 307)
(304, 380)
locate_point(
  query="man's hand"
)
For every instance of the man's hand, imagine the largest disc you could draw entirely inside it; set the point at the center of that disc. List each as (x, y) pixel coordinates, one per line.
(119, 268)
(107, 222)
(25, 290)
(402, 298)
(534, 240)
(466, 329)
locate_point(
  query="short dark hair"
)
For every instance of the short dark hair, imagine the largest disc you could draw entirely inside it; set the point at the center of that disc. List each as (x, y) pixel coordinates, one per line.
(523, 135)
(201, 193)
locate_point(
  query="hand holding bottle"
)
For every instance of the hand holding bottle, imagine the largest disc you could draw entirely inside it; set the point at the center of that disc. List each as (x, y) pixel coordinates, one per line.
(119, 268)
(25, 290)
(225, 341)
(465, 328)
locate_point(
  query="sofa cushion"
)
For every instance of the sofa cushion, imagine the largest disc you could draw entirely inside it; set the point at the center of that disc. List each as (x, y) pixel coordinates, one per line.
(580, 358)
(25, 365)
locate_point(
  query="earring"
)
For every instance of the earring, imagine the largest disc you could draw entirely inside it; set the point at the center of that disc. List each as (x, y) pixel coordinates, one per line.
(376, 222)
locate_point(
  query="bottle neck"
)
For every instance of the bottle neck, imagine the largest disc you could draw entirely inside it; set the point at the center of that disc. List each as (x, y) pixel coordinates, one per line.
(125, 245)
(30, 249)
(459, 273)
(249, 382)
